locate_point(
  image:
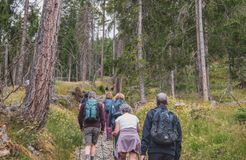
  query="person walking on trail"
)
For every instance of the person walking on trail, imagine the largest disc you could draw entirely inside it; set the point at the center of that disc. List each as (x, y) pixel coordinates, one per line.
(91, 121)
(114, 114)
(162, 135)
(108, 103)
(115, 109)
(127, 127)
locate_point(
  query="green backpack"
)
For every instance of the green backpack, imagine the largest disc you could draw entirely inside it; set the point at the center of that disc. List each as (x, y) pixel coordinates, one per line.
(91, 111)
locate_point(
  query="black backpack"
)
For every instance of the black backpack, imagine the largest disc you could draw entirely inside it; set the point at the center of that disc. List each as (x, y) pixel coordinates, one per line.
(163, 130)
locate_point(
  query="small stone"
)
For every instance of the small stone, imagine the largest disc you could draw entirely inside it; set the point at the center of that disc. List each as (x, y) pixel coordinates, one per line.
(4, 152)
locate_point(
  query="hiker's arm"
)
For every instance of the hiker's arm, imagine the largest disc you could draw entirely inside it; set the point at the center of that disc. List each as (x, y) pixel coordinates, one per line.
(102, 120)
(179, 141)
(146, 134)
(80, 117)
(116, 129)
(138, 127)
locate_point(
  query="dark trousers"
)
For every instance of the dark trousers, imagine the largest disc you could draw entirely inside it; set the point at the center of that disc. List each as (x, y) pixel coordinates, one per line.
(161, 157)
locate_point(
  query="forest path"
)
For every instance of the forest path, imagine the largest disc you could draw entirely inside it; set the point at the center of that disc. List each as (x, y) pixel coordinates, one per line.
(104, 150)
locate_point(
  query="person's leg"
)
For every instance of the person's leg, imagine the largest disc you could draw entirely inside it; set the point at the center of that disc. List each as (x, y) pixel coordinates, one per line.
(95, 135)
(122, 156)
(88, 142)
(93, 150)
(133, 156)
(87, 152)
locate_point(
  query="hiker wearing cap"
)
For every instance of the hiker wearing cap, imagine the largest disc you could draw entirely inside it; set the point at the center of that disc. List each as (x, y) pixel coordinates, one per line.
(127, 127)
(162, 133)
(108, 103)
(91, 121)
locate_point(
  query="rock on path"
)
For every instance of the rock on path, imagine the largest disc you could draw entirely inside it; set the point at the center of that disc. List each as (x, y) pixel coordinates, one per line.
(104, 150)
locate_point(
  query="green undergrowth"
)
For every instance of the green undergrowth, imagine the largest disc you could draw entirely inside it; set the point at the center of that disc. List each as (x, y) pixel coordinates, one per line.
(208, 133)
(63, 126)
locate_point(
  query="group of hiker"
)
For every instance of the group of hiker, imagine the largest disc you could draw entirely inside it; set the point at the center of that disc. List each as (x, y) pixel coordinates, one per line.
(161, 133)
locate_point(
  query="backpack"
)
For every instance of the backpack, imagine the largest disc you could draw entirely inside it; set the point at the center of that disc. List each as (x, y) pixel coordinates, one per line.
(115, 111)
(91, 111)
(163, 130)
(108, 104)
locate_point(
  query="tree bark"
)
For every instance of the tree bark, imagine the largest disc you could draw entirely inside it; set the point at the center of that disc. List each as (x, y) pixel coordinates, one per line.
(172, 76)
(114, 19)
(198, 54)
(84, 31)
(140, 53)
(91, 55)
(19, 77)
(202, 51)
(6, 65)
(103, 35)
(37, 100)
(69, 67)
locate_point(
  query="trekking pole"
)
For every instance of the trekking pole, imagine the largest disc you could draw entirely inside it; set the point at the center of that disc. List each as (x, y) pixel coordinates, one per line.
(102, 147)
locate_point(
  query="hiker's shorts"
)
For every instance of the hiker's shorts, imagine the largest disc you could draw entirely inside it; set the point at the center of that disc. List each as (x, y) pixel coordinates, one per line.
(91, 135)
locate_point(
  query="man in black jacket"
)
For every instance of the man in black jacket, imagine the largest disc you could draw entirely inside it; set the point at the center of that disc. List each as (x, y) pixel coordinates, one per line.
(160, 151)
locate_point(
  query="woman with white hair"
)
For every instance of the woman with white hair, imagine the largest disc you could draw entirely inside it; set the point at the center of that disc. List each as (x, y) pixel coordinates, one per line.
(127, 126)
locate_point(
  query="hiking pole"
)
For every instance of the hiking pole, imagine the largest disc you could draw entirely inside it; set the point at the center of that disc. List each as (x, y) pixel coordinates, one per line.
(102, 146)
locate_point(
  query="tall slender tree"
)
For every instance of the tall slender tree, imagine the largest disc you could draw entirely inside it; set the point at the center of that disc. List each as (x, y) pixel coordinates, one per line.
(201, 50)
(103, 37)
(37, 100)
(140, 52)
(19, 77)
(6, 65)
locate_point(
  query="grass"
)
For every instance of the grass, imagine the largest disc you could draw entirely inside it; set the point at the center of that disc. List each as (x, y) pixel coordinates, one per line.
(208, 133)
(62, 125)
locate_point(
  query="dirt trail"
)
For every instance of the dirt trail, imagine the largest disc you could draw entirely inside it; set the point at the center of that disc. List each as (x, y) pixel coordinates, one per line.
(104, 150)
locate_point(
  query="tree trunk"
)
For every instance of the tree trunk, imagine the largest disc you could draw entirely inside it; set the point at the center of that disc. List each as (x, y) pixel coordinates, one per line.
(172, 76)
(19, 77)
(6, 65)
(113, 69)
(198, 54)
(69, 67)
(37, 100)
(14, 69)
(202, 51)
(91, 55)
(103, 35)
(119, 46)
(83, 39)
(140, 53)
